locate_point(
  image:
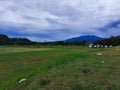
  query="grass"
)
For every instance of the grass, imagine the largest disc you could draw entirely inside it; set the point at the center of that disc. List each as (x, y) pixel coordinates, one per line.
(59, 68)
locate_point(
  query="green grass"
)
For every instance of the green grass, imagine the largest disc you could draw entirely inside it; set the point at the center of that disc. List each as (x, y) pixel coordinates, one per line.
(59, 68)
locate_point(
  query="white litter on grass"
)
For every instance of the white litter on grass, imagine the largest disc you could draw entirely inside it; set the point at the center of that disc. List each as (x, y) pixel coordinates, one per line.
(22, 80)
(117, 49)
(99, 54)
(102, 61)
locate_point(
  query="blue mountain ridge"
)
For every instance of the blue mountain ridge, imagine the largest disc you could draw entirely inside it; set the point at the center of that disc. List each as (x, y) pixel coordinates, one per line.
(84, 38)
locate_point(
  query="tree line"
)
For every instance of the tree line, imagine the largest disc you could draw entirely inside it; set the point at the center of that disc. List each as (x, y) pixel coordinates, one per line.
(5, 40)
(115, 41)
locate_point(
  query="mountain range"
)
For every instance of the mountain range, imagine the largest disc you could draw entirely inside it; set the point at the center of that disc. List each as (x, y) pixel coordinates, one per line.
(84, 38)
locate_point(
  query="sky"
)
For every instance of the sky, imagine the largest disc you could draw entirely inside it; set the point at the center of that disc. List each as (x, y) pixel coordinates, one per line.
(55, 20)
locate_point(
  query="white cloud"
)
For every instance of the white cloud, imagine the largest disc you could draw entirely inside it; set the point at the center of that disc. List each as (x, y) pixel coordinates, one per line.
(77, 17)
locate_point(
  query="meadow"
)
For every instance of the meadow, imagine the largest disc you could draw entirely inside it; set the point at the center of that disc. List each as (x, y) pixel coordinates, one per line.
(59, 68)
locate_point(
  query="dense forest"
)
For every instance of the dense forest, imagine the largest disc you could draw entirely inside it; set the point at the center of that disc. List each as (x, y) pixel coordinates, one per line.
(109, 41)
(5, 40)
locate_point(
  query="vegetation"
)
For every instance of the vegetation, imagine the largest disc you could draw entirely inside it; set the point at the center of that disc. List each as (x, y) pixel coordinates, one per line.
(59, 68)
(110, 41)
(5, 40)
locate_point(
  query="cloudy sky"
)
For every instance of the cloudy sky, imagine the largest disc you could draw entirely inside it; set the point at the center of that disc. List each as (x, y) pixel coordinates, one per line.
(52, 20)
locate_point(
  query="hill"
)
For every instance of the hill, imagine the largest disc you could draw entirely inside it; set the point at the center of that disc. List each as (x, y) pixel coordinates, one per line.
(5, 40)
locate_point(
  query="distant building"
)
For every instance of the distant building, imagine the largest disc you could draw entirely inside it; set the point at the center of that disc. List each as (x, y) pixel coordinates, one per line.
(98, 46)
(90, 45)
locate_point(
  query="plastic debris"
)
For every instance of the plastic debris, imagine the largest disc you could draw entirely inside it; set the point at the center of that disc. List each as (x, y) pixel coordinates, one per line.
(102, 61)
(117, 49)
(22, 80)
(99, 54)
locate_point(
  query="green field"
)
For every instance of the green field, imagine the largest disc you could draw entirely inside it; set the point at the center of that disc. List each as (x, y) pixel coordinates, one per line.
(59, 68)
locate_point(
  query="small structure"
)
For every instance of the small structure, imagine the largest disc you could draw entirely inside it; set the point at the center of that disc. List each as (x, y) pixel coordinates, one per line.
(101, 46)
(95, 46)
(90, 45)
(106, 46)
(98, 46)
(110, 46)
